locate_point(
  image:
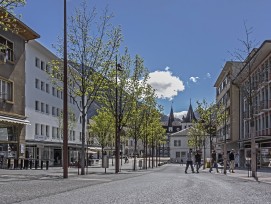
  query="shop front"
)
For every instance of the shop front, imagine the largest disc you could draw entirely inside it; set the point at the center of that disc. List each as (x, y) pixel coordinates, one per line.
(51, 152)
(263, 150)
(12, 147)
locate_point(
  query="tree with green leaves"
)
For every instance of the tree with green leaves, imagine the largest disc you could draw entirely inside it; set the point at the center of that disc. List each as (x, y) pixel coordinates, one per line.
(92, 45)
(138, 83)
(71, 122)
(7, 20)
(102, 128)
(211, 116)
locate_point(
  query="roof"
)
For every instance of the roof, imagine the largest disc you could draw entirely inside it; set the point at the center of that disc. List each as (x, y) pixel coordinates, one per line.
(256, 58)
(21, 29)
(226, 69)
(183, 132)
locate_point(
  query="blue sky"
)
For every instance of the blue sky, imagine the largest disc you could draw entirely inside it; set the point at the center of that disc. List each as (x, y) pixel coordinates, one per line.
(184, 43)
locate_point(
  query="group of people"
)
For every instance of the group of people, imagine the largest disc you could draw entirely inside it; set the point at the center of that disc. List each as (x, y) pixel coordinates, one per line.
(189, 161)
(213, 162)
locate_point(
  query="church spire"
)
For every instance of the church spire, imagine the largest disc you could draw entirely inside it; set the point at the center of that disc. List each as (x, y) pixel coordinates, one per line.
(171, 117)
(190, 115)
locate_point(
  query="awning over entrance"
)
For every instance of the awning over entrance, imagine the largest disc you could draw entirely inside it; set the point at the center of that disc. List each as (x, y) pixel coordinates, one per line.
(14, 120)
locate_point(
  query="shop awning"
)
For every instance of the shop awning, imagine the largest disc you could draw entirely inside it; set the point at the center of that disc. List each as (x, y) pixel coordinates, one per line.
(14, 120)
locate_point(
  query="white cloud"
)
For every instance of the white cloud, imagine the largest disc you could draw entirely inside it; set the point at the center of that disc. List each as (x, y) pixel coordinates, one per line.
(165, 84)
(194, 79)
(208, 75)
(180, 114)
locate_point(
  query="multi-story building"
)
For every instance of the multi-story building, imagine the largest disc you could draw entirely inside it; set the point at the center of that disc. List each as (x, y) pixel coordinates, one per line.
(254, 81)
(12, 93)
(227, 96)
(43, 107)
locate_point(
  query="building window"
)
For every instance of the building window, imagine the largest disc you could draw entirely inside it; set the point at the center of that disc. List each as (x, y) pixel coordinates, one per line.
(42, 107)
(37, 84)
(47, 129)
(37, 62)
(54, 132)
(42, 86)
(6, 90)
(47, 88)
(37, 108)
(178, 154)
(177, 143)
(53, 91)
(47, 108)
(36, 129)
(47, 69)
(183, 154)
(53, 111)
(42, 65)
(7, 48)
(42, 129)
(57, 133)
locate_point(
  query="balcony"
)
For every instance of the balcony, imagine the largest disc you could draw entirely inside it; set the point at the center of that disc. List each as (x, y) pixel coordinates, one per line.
(264, 105)
(257, 110)
(264, 79)
(246, 115)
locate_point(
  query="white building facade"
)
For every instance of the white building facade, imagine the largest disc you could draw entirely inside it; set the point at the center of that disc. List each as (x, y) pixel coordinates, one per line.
(178, 143)
(43, 108)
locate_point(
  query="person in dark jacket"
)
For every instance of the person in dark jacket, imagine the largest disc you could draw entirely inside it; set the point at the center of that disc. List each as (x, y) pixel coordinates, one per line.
(198, 160)
(189, 161)
(213, 162)
(232, 161)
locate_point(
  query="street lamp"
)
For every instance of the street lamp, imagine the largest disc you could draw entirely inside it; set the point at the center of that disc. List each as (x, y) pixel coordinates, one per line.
(117, 138)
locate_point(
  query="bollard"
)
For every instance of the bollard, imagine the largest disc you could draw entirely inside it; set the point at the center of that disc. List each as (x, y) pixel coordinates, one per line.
(16, 162)
(36, 164)
(41, 164)
(26, 163)
(21, 164)
(47, 165)
(31, 163)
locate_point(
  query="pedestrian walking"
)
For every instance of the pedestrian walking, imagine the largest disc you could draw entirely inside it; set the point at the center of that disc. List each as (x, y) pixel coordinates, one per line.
(181, 161)
(213, 162)
(189, 161)
(198, 160)
(232, 161)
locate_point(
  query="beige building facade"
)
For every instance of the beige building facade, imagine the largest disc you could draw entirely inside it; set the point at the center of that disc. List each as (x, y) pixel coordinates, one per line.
(227, 96)
(254, 81)
(12, 94)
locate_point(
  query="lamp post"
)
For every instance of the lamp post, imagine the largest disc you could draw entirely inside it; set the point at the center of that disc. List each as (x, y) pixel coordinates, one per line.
(117, 138)
(65, 97)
